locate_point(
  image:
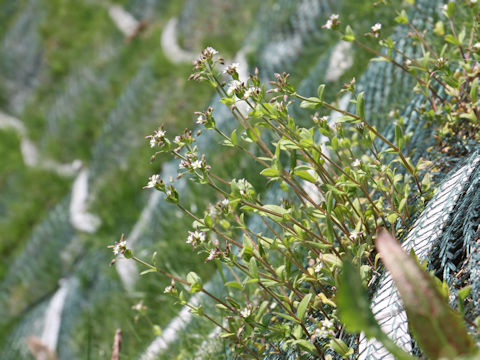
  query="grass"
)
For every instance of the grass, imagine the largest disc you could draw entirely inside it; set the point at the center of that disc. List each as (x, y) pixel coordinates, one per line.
(26, 196)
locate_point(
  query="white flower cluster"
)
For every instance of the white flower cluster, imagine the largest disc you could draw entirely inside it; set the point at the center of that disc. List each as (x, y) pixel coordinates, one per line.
(169, 289)
(322, 331)
(153, 181)
(201, 119)
(355, 235)
(196, 236)
(192, 162)
(376, 29)
(209, 52)
(331, 22)
(157, 138)
(231, 69)
(234, 87)
(251, 91)
(211, 255)
(246, 312)
(119, 247)
(244, 187)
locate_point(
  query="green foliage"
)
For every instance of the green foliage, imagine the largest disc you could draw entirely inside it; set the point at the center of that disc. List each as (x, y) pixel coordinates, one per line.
(360, 180)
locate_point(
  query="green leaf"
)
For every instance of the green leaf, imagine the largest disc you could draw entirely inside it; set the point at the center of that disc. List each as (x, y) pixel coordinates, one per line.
(320, 91)
(329, 198)
(270, 172)
(148, 271)
(340, 347)
(452, 39)
(451, 9)
(208, 221)
(439, 28)
(234, 284)
(399, 138)
(311, 103)
(305, 175)
(334, 143)
(233, 137)
(347, 119)
(286, 316)
(349, 35)
(276, 209)
(463, 293)
(402, 18)
(306, 345)
(252, 268)
(360, 106)
(224, 335)
(195, 282)
(228, 101)
(474, 92)
(302, 307)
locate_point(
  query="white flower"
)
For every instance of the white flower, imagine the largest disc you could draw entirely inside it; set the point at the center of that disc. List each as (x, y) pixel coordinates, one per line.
(157, 137)
(160, 133)
(356, 163)
(318, 268)
(245, 313)
(225, 202)
(201, 119)
(139, 306)
(251, 91)
(376, 28)
(209, 52)
(168, 289)
(354, 235)
(327, 324)
(196, 236)
(331, 22)
(320, 333)
(231, 68)
(153, 142)
(152, 181)
(234, 86)
(119, 247)
(197, 164)
(211, 255)
(476, 46)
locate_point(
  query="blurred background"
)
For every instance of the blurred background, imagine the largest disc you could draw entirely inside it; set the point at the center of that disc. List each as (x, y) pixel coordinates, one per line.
(81, 85)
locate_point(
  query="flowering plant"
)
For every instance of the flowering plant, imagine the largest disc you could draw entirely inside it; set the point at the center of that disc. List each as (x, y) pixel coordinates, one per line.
(335, 184)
